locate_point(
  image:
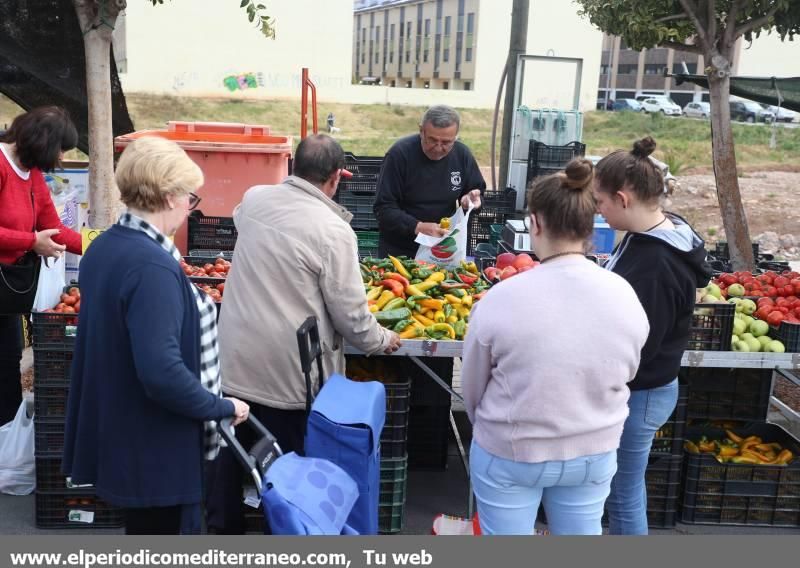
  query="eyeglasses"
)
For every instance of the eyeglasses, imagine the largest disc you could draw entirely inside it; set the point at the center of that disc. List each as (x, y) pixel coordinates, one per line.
(194, 200)
(433, 142)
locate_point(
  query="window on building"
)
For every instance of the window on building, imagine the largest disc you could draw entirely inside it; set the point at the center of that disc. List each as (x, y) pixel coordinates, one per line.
(377, 33)
(446, 54)
(393, 83)
(471, 23)
(467, 85)
(625, 69)
(654, 68)
(408, 56)
(622, 44)
(678, 68)
(408, 84)
(445, 84)
(377, 57)
(425, 56)
(460, 27)
(408, 30)
(427, 27)
(391, 32)
(447, 25)
(468, 54)
(391, 57)
(363, 58)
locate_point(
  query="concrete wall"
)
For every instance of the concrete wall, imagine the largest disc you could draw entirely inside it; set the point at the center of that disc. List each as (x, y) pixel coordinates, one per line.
(768, 56)
(208, 48)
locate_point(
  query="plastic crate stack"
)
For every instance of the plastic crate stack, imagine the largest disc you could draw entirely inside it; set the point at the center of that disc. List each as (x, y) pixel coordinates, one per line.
(716, 493)
(209, 236)
(357, 195)
(59, 503)
(496, 207)
(544, 159)
(394, 459)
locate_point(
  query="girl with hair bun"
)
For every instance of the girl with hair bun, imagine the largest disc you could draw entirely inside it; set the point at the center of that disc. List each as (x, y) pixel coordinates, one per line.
(545, 386)
(663, 259)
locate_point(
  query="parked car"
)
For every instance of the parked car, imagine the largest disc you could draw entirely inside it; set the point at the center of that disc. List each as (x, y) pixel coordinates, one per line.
(749, 111)
(662, 104)
(697, 110)
(641, 98)
(782, 114)
(627, 104)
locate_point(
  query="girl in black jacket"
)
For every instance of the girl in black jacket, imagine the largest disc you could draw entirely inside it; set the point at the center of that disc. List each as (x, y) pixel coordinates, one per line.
(663, 259)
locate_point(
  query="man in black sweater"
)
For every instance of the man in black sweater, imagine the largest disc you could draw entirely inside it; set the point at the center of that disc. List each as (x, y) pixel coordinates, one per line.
(423, 177)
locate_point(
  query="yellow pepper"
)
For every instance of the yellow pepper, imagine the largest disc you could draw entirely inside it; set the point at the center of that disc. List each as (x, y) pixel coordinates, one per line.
(374, 293)
(374, 308)
(384, 298)
(411, 332)
(423, 320)
(398, 266)
(414, 290)
(452, 319)
(466, 301)
(439, 317)
(435, 277)
(427, 285)
(463, 312)
(431, 304)
(452, 299)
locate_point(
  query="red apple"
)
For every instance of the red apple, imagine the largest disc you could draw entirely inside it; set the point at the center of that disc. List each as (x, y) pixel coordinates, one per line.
(508, 272)
(523, 259)
(504, 260)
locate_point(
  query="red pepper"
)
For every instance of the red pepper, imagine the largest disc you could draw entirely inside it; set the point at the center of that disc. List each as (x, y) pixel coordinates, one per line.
(478, 296)
(452, 285)
(467, 279)
(395, 287)
(395, 276)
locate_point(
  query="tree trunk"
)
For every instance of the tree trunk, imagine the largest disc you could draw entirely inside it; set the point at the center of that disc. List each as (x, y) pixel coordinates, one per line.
(724, 157)
(97, 24)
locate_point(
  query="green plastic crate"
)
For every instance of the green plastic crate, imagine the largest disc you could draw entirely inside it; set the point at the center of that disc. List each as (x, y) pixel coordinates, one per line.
(391, 517)
(495, 232)
(367, 243)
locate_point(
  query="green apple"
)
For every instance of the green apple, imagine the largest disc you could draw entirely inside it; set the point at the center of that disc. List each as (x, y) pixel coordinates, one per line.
(774, 346)
(753, 344)
(741, 346)
(734, 341)
(713, 290)
(764, 339)
(735, 290)
(739, 327)
(758, 328)
(748, 320)
(748, 306)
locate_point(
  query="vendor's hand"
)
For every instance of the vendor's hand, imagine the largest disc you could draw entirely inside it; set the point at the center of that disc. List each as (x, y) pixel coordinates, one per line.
(394, 343)
(430, 229)
(474, 196)
(46, 246)
(241, 410)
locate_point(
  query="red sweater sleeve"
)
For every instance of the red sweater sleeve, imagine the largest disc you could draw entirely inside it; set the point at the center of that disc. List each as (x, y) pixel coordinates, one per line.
(47, 217)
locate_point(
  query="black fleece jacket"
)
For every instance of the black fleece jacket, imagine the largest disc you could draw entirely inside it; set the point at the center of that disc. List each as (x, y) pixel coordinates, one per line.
(664, 278)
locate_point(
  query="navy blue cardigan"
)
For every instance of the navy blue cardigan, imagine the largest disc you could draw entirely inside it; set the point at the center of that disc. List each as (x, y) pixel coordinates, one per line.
(136, 407)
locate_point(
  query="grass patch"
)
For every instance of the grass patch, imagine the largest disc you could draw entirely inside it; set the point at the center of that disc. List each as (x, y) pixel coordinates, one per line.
(369, 130)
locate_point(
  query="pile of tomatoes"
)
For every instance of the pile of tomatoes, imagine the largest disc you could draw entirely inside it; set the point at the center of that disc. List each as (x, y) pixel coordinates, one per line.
(219, 269)
(215, 291)
(70, 302)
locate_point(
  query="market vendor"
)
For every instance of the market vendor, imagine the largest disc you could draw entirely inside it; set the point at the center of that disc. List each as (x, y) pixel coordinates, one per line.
(422, 177)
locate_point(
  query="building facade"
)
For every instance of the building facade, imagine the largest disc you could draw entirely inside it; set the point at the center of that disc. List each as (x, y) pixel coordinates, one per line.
(429, 44)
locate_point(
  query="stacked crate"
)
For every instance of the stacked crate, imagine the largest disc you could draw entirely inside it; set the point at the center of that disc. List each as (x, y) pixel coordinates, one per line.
(496, 207)
(59, 503)
(211, 236)
(357, 195)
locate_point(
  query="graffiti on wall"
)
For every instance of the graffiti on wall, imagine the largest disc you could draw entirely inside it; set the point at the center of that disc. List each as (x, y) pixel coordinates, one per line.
(243, 81)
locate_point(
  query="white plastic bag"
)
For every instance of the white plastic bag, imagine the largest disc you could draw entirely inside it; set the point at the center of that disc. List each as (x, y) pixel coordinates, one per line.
(17, 463)
(51, 284)
(451, 249)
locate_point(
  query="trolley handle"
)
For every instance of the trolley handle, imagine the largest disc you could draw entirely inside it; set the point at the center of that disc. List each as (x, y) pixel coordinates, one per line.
(265, 438)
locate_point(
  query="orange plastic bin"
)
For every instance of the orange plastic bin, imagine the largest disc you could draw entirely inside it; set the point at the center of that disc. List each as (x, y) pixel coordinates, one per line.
(234, 157)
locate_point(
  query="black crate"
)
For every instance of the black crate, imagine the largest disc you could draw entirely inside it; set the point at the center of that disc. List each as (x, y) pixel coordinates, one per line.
(727, 394)
(542, 155)
(361, 208)
(669, 438)
(391, 504)
(540, 172)
(64, 510)
(394, 435)
(789, 334)
(711, 328)
(497, 202)
(51, 368)
(54, 331)
(362, 165)
(50, 478)
(740, 494)
(48, 437)
(721, 251)
(358, 186)
(50, 402)
(480, 229)
(428, 437)
(211, 233)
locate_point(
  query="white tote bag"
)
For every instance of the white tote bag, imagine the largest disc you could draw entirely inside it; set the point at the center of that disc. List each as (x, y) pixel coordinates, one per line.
(17, 463)
(51, 284)
(451, 249)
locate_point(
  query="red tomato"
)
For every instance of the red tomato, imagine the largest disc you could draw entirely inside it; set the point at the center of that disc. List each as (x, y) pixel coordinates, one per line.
(780, 281)
(728, 279)
(765, 301)
(775, 318)
(763, 312)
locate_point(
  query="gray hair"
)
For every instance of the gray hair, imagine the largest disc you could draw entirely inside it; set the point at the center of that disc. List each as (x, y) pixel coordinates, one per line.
(441, 116)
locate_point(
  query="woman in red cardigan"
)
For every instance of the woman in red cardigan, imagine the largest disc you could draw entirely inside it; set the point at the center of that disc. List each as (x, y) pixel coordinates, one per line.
(35, 142)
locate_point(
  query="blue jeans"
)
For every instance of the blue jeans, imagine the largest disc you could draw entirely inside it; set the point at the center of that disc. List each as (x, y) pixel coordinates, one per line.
(573, 492)
(627, 504)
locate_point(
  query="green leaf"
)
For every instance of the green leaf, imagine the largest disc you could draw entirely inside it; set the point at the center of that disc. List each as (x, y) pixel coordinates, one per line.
(261, 7)
(244, 3)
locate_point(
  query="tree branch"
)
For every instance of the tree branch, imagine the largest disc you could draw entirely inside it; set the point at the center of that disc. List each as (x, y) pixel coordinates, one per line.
(683, 47)
(712, 21)
(730, 23)
(671, 18)
(753, 24)
(690, 10)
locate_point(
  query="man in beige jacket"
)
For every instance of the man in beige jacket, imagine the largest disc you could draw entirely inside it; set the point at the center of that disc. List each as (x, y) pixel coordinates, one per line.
(296, 256)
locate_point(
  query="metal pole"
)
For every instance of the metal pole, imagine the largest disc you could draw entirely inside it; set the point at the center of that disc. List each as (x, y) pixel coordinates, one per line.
(517, 46)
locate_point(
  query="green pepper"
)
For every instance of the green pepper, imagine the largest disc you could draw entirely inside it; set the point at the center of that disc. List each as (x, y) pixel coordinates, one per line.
(448, 285)
(415, 281)
(401, 325)
(448, 310)
(440, 331)
(458, 293)
(394, 304)
(392, 317)
(460, 327)
(411, 302)
(421, 273)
